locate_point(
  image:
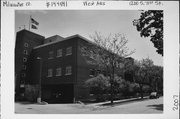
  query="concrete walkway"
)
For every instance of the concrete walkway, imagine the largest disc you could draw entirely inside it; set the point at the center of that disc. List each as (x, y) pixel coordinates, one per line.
(133, 105)
(118, 101)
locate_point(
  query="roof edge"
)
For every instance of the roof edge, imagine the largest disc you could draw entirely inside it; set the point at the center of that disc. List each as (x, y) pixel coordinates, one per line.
(67, 38)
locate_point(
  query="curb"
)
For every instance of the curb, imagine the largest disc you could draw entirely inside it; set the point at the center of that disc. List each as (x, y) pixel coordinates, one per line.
(118, 101)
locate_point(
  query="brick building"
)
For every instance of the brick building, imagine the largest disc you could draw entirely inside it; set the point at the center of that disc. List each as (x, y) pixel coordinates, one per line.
(57, 61)
(25, 42)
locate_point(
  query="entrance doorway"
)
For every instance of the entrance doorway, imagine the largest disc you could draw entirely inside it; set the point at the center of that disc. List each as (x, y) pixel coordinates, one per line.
(62, 93)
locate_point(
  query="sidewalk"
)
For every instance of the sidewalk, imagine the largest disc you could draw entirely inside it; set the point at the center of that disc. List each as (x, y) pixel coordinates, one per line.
(119, 106)
(106, 103)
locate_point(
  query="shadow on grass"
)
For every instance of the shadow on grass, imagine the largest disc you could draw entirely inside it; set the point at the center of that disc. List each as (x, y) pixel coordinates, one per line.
(123, 102)
(157, 107)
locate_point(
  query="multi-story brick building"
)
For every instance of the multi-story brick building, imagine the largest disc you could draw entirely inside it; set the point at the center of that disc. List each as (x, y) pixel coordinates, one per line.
(25, 42)
(57, 61)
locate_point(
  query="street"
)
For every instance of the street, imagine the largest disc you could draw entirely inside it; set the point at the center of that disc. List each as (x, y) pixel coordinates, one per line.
(147, 106)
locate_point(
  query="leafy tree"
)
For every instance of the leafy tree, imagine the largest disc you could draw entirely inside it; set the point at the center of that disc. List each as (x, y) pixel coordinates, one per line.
(124, 87)
(129, 69)
(118, 84)
(98, 85)
(156, 78)
(148, 76)
(133, 88)
(150, 24)
(141, 73)
(108, 53)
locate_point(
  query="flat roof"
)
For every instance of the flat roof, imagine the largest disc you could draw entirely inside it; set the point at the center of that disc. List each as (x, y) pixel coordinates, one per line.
(67, 38)
(25, 30)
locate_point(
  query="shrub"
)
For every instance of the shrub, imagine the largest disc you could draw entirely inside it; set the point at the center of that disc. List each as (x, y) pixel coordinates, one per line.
(98, 86)
(31, 92)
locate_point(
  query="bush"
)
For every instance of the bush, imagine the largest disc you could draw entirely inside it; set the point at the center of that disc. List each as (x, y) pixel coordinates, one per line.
(98, 86)
(31, 92)
(146, 89)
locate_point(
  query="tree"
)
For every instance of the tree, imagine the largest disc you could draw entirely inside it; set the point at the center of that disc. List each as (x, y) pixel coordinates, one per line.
(142, 73)
(150, 24)
(98, 85)
(156, 76)
(108, 53)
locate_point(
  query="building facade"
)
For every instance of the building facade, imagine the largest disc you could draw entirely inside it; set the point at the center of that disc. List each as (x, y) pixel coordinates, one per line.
(55, 63)
(25, 42)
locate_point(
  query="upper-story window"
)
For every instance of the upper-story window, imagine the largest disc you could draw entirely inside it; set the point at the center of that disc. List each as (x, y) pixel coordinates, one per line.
(24, 59)
(26, 45)
(50, 73)
(69, 51)
(50, 55)
(58, 72)
(59, 53)
(24, 67)
(23, 75)
(68, 70)
(25, 52)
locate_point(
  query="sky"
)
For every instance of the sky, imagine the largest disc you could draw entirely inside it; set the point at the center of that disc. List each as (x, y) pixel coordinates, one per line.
(86, 22)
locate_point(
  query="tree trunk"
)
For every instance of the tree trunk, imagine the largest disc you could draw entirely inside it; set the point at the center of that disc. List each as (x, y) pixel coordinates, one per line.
(112, 92)
(141, 90)
(112, 86)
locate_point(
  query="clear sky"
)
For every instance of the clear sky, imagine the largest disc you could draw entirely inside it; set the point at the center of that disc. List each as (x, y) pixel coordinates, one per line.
(85, 22)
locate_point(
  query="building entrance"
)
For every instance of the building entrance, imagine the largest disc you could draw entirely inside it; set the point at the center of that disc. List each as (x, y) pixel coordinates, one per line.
(62, 93)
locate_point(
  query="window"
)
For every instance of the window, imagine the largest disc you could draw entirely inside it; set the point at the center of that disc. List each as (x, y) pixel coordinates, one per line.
(50, 72)
(25, 52)
(23, 75)
(26, 45)
(59, 53)
(24, 67)
(22, 84)
(50, 55)
(24, 59)
(58, 71)
(68, 70)
(68, 51)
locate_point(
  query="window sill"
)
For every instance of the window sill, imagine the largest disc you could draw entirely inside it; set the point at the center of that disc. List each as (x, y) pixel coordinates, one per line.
(68, 54)
(67, 74)
(58, 56)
